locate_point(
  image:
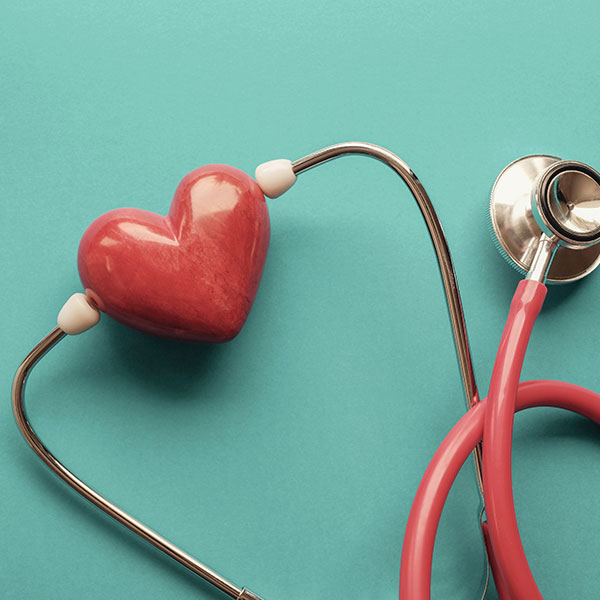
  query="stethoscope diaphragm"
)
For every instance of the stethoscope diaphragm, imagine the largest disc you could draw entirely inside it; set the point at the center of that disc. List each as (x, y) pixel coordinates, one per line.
(541, 194)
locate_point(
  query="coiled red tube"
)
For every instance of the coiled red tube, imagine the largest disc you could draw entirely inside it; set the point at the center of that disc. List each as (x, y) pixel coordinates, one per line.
(491, 419)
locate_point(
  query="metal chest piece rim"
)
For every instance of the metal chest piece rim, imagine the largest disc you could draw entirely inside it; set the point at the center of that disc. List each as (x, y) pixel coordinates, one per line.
(516, 228)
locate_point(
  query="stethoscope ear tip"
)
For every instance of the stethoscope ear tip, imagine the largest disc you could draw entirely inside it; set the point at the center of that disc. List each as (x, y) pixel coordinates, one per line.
(541, 195)
(77, 315)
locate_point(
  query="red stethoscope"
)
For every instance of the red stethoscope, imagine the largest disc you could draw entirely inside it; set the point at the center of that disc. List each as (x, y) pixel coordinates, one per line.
(194, 273)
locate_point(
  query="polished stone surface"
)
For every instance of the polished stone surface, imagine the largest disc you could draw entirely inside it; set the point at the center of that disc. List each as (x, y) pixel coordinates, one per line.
(192, 274)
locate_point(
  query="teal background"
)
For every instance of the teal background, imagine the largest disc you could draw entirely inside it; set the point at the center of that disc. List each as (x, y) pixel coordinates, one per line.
(287, 459)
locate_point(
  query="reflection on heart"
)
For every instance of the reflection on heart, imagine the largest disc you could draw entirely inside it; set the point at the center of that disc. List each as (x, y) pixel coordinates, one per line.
(192, 274)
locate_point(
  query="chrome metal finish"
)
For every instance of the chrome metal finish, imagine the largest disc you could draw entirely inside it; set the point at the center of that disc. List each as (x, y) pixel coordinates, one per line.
(567, 201)
(517, 229)
(248, 595)
(437, 237)
(542, 258)
(440, 246)
(442, 252)
(87, 492)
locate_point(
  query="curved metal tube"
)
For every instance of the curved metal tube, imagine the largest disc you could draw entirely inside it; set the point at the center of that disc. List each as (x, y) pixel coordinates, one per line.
(458, 326)
(440, 245)
(436, 232)
(89, 494)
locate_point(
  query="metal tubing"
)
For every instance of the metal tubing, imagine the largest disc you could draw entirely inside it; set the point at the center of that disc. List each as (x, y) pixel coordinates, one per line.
(542, 259)
(87, 492)
(440, 246)
(456, 317)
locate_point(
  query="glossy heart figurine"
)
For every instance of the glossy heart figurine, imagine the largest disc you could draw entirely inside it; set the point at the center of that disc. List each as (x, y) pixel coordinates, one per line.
(190, 275)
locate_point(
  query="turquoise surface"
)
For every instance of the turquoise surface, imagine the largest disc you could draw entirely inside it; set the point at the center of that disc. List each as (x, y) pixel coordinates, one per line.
(287, 459)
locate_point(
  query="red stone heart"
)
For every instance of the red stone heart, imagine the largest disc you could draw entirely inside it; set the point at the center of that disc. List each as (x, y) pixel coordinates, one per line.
(190, 275)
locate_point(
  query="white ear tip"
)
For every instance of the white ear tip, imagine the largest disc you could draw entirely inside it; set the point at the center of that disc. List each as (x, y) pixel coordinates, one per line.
(275, 177)
(77, 315)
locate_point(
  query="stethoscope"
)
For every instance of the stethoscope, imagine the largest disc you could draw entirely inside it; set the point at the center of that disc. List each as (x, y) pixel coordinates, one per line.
(545, 213)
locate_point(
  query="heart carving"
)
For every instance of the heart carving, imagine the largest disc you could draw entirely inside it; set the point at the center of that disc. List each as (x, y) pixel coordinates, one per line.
(192, 274)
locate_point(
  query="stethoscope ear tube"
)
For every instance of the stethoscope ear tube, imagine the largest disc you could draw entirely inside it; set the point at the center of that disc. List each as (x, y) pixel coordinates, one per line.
(80, 313)
(18, 394)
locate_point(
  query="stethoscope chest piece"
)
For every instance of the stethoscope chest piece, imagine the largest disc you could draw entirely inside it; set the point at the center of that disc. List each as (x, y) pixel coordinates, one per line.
(541, 194)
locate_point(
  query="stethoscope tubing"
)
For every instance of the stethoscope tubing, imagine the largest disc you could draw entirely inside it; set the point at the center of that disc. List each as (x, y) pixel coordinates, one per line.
(493, 416)
(453, 452)
(457, 320)
(503, 531)
(488, 425)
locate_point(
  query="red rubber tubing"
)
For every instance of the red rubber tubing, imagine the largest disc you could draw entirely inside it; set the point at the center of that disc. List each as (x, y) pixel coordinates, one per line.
(503, 532)
(491, 419)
